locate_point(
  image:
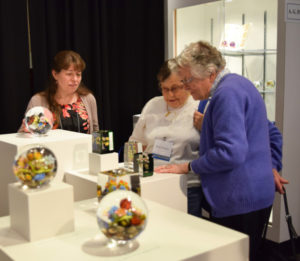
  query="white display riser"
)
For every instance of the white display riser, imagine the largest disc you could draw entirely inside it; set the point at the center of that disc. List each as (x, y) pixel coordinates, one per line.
(70, 148)
(166, 189)
(169, 235)
(102, 162)
(41, 213)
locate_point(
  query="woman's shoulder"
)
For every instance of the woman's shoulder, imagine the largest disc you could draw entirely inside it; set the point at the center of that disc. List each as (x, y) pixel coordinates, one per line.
(89, 97)
(38, 99)
(155, 104)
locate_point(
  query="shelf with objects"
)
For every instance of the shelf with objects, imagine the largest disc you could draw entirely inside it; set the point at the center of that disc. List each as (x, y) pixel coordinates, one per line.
(105, 174)
(244, 31)
(264, 85)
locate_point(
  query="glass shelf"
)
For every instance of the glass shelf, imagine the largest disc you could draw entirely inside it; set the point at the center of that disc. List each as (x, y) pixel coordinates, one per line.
(266, 91)
(248, 52)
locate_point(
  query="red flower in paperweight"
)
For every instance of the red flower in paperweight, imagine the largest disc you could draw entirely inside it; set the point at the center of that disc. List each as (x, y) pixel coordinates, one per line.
(122, 216)
(125, 203)
(35, 166)
(39, 120)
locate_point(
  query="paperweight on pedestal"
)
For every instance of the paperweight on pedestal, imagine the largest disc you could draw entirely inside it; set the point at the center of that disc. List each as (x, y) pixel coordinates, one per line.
(143, 164)
(103, 141)
(41, 213)
(117, 179)
(122, 216)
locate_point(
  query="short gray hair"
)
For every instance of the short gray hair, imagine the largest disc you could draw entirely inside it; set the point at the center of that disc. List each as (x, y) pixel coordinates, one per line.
(202, 58)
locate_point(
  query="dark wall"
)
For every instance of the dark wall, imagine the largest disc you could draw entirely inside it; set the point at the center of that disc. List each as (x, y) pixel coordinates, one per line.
(14, 64)
(122, 42)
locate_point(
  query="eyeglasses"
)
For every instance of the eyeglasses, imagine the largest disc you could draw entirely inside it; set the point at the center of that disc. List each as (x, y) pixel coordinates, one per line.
(187, 81)
(174, 89)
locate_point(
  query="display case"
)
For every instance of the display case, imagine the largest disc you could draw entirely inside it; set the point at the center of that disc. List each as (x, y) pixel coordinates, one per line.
(244, 31)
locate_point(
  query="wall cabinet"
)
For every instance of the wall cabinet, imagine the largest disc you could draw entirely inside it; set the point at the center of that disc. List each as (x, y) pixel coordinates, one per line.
(218, 22)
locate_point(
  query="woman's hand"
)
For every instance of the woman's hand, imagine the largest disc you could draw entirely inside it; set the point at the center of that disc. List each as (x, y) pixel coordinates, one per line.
(23, 127)
(198, 120)
(173, 168)
(279, 181)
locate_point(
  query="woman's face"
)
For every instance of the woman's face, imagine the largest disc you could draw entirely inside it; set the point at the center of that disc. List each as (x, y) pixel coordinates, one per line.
(68, 80)
(199, 88)
(173, 92)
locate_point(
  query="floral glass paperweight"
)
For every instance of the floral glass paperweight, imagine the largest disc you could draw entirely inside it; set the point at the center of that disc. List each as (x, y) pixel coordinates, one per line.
(122, 216)
(35, 167)
(143, 164)
(103, 141)
(111, 180)
(39, 120)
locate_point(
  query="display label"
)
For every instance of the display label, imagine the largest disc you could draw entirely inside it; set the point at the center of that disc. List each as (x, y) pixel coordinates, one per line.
(292, 11)
(162, 149)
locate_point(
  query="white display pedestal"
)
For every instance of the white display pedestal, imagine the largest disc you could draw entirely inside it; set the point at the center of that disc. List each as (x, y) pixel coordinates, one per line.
(70, 148)
(102, 162)
(167, 189)
(169, 235)
(41, 213)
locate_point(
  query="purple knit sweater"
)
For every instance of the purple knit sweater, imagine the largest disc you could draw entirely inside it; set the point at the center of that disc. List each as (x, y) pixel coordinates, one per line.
(234, 161)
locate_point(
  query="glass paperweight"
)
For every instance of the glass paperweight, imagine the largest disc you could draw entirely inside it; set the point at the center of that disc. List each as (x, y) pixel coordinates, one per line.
(35, 166)
(143, 164)
(131, 148)
(39, 120)
(103, 141)
(122, 216)
(111, 180)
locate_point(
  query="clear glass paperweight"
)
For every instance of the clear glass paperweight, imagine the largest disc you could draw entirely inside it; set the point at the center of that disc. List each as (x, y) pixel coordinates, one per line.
(39, 120)
(35, 166)
(122, 216)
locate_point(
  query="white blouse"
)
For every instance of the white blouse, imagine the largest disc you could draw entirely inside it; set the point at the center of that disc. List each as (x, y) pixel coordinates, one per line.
(157, 121)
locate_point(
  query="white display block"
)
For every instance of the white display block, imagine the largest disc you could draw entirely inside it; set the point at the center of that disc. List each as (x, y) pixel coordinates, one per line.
(156, 187)
(70, 148)
(102, 162)
(41, 213)
(169, 235)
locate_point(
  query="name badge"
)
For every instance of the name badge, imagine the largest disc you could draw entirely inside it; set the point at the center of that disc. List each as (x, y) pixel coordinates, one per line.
(162, 149)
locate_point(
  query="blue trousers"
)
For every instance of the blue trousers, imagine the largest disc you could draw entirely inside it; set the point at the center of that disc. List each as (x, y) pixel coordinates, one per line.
(195, 198)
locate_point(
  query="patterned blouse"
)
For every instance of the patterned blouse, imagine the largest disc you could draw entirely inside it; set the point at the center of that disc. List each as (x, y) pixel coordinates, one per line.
(74, 117)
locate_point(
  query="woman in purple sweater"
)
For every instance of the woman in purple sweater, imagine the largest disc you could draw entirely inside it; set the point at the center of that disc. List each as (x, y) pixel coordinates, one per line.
(235, 163)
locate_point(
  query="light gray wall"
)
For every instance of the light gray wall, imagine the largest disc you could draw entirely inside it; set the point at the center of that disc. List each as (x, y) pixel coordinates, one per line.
(287, 117)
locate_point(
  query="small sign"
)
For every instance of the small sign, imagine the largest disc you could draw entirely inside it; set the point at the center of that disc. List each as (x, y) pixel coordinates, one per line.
(162, 149)
(292, 11)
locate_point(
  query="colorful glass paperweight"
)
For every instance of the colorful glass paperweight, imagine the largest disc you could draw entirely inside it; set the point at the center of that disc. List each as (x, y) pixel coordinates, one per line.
(122, 216)
(143, 164)
(35, 166)
(39, 120)
(103, 141)
(117, 179)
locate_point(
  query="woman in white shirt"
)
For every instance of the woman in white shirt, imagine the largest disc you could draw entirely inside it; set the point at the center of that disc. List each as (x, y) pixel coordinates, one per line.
(169, 118)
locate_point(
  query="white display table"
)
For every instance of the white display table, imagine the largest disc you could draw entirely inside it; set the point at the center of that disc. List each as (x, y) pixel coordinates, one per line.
(70, 148)
(169, 235)
(166, 189)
